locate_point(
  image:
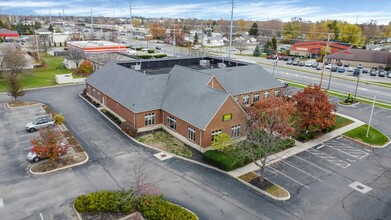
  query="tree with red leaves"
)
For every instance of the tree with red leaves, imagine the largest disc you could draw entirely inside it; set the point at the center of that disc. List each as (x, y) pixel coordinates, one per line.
(48, 144)
(314, 109)
(270, 122)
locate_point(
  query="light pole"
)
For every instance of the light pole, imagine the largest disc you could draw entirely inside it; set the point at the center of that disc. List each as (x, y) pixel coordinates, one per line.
(274, 66)
(358, 81)
(328, 86)
(327, 51)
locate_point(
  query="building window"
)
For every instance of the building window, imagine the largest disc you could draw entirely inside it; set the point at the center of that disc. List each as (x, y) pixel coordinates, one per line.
(171, 122)
(235, 131)
(245, 100)
(256, 97)
(266, 94)
(149, 119)
(191, 133)
(276, 92)
(214, 133)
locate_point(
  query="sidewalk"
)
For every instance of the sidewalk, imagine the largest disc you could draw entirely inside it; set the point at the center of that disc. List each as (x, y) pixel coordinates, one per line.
(299, 147)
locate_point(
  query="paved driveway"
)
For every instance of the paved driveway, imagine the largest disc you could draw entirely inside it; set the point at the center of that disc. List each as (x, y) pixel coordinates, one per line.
(113, 157)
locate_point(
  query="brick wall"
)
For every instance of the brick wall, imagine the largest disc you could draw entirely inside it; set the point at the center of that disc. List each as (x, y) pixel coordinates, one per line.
(182, 127)
(261, 95)
(217, 123)
(140, 118)
(214, 83)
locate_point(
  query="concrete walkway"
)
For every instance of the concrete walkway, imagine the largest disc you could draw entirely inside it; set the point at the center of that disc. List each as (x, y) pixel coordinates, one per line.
(299, 147)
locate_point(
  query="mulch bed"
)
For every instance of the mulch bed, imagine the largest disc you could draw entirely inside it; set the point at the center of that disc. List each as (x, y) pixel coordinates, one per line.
(16, 104)
(262, 185)
(62, 162)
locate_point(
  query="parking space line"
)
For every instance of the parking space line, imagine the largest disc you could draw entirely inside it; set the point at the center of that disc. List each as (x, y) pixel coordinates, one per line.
(313, 164)
(346, 149)
(289, 177)
(378, 111)
(388, 116)
(328, 158)
(365, 108)
(302, 171)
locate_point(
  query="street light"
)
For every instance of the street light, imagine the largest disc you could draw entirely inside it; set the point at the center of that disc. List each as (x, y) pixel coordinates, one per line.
(358, 81)
(274, 66)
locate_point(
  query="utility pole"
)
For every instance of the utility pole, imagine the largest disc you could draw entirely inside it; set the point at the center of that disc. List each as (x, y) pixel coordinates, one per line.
(174, 42)
(370, 117)
(230, 33)
(326, 52)
(92, 23)
(131, 23)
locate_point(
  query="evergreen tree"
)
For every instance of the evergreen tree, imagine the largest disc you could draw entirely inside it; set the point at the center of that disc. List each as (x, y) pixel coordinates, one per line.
(195, 38)
(274, 43)
(253, 30)
(257, 51)
(50, 28)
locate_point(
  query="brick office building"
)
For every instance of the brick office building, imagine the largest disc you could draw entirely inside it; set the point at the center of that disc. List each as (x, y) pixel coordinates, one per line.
(191, 98)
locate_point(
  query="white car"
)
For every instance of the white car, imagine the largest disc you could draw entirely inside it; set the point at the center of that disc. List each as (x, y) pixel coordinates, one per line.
(308, 63)
(350, 69)
(329, 66)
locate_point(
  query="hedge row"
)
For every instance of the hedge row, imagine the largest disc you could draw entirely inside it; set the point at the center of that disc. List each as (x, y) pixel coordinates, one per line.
(147, 56)
(95, 103)
(151, 207)
(231, 160)
(129, 129)
(114, 118)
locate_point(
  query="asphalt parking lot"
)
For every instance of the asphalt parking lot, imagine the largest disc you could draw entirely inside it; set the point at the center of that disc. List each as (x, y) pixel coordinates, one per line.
(313, 165)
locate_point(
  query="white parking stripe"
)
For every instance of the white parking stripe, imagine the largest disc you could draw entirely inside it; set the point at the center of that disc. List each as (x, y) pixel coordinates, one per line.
(1, 203)
(378, 111)
(328, 158)
(313, 164)
(346, 149)
(388, 116)
(365, 108)
(302, 171)
(289, 177)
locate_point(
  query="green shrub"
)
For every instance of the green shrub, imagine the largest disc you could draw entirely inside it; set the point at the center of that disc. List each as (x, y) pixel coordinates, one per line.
(151, 51)
(114, 118)
(181, 150)
(129, 129)
(160, 55)
(144, 56)
(155, 208)
(138, 48)
(224, 161)
(58, 119)
(115, 202)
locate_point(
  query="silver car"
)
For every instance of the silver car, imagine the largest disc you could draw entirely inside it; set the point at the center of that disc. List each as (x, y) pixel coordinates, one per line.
(42, 122)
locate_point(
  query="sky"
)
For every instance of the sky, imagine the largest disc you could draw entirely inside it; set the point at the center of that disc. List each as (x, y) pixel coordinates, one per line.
(352, 11)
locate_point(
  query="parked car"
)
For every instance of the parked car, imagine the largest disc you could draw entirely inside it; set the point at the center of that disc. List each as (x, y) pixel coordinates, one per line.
(346, 65)
(295, 62)
(315, 64)
(328, 66)
(32, 156)
(382, 73)
(327, 62)
(356, 72)
(350, 69)
(341, 70)
(389, 74)
(319, 67)
(289, 62)
(274, 57)
(41, 122)
(373, 73)
(360, 66)
(308, 63)
(269, 56)
(301, 63)
(364, 70)
(334, 69)
(339, 63)
(158, 48)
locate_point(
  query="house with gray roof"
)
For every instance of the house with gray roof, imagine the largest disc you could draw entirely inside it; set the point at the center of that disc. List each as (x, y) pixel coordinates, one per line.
(194, 99)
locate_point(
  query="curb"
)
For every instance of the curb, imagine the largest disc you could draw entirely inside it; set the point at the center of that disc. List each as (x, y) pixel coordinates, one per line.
(187, 159)
(368, 145)
(266, 193)
(25, 106)
(61, 168)
(77, 213)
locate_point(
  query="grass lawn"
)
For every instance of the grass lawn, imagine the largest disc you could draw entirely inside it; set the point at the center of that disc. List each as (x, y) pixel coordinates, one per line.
(251, 55)
(165, 141)
(341, 122)
(40, 76)
(375, 137)
(277, 191)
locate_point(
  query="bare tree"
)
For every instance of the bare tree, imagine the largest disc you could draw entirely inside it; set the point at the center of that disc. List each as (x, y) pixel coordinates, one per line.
(105, 58)
(142, 184)
(76, 56)
(241, 45)
(13, 60)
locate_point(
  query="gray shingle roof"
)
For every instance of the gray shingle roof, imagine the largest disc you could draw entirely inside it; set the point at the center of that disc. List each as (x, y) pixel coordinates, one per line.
(189, 98)
(244, 79)
(134, 90)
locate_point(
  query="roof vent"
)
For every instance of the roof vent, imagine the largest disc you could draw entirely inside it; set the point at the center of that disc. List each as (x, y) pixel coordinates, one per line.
(221, 65)
(205, 62)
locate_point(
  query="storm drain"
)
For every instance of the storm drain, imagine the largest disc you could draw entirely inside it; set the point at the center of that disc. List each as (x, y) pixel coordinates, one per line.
(162, 156)
(360, 187)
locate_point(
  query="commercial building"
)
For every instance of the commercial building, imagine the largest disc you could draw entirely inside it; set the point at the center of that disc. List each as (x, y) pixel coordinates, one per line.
(368, 58)
(194, 99)
(96, 46)
(312, 49)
